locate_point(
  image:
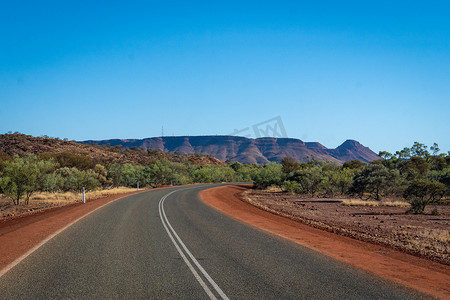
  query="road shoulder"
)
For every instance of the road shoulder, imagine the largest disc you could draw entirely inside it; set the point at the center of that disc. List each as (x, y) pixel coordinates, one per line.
(20, 237)
(420, 274)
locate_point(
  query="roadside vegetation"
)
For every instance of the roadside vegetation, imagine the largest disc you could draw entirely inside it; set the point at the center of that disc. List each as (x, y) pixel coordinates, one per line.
(417, 175)
(56, 175)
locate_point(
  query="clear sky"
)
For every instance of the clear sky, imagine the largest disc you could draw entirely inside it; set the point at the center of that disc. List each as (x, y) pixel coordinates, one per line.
(376, 72)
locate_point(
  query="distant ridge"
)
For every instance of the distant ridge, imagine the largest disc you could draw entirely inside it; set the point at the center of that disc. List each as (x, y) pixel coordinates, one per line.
(247, 150)
(22, 144)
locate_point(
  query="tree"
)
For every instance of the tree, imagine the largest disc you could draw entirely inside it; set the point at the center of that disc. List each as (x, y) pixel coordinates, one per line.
(329, 182)
(423, 191)
(442, 176)
(131, 175)
(102, 174)
(385, 154)
(416, 167)
(213, 173)
(19, 177)
(46, 180)
(74, 179)
(353, 164)
(310, 179)
(244, 172)
(314, 179)
(419, 150)
(403, 154)
(292, 187)
(3, 158)
(115, 174)
(289, 165)
(344, 180)
(375, 179)
(435, 149)
(436, 163)
(159, 173)
(270, 174)
(69, 159)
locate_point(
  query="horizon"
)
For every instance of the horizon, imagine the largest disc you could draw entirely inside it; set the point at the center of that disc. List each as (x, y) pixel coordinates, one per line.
(374, 73)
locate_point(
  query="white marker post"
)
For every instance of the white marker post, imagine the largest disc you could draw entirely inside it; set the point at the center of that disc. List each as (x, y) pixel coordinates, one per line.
(84, 196)
(138, 186)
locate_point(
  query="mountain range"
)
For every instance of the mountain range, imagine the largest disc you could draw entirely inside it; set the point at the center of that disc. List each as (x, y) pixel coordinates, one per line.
(248, 150)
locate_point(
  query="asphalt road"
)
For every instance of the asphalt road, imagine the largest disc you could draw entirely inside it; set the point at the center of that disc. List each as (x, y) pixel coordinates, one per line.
(167, 244)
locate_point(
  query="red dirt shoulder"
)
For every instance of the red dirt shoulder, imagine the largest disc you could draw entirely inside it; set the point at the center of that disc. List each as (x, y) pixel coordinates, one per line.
(418, 273)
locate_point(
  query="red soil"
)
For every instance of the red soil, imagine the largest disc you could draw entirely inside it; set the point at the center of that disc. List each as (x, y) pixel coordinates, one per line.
(418, 273)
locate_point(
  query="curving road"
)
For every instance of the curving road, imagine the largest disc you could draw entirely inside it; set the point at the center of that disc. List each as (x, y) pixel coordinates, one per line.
(167, 244)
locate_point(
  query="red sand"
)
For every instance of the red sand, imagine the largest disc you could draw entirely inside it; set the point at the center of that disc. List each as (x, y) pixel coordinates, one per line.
(421, 274)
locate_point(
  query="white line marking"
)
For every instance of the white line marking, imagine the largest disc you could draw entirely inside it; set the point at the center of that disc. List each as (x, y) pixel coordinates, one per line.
(165, 221)
(194, 272)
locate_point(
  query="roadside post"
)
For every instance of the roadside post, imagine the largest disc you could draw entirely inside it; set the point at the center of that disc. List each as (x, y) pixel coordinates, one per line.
(138, 186)
(84, 196)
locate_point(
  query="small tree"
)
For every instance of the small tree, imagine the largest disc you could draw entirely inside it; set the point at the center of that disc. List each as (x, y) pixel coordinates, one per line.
(310, 179)
(45, 178)
(3, 158)
(353, 164)
(19, 177)
(289, 165)
(419, 150)
(159, 173)
(270, 174)
(375, 179)
(421, 192)
(344, 180)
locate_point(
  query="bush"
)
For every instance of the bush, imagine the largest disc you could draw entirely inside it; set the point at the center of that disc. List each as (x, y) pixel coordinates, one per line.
(213, 174)
(292, 187)
(421, 192)
(270, 174)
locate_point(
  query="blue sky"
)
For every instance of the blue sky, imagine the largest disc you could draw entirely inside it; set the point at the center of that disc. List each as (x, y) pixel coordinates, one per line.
(378, 73)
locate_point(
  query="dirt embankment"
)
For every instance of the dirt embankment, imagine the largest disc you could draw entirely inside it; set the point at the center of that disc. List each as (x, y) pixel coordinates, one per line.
(381, 223)
(418, 273)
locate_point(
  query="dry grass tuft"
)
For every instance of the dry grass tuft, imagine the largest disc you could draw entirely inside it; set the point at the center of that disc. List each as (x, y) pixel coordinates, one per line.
(396, 204)
(274, 189)
(354, 202)
(360, 203)
(74, 197)
(436, 235)
(437, 240)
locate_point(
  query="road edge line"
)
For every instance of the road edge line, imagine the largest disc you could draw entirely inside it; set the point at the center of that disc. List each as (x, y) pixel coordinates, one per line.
(15, 262)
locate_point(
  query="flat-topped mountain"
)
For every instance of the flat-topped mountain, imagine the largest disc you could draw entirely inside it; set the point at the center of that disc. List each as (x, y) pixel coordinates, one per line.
(247, 150)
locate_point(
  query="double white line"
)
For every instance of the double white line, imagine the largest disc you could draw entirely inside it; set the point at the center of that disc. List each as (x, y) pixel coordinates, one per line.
(180, 246)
